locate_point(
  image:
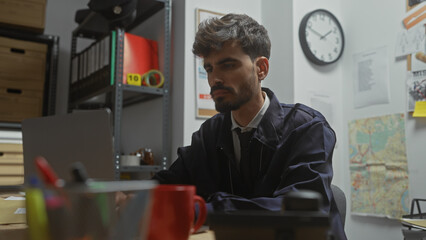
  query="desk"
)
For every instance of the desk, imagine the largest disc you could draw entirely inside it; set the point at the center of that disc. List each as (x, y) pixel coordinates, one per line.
(13, 231)
(19, 231)
(209, 235)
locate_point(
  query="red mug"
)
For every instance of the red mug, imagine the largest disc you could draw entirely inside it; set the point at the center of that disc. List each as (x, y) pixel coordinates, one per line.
(173, 212)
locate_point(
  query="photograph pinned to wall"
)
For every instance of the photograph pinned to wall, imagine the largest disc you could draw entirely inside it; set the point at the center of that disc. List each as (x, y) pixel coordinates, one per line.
(204, 104)
(416, 88)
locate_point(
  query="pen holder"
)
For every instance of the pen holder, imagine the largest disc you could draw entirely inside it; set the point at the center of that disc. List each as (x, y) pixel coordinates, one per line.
(88, 211)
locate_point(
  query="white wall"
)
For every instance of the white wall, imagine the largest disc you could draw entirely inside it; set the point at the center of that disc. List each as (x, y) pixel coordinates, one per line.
(325, 80)
(60, 22)
(366, 31)
(281, 76)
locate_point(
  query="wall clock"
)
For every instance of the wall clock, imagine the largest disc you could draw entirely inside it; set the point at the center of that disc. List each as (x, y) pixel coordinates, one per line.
(321, 37)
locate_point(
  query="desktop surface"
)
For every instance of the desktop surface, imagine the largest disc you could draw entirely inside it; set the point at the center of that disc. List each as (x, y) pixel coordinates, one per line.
(19, 232)
(267, 225)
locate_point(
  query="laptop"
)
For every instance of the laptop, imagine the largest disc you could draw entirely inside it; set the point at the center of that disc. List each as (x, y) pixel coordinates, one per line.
(84, 136)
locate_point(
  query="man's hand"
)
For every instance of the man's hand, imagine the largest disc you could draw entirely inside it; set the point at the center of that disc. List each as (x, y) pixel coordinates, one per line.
(121, 200)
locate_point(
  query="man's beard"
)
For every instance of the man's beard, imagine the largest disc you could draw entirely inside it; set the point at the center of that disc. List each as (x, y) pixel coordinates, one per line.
(245, 95)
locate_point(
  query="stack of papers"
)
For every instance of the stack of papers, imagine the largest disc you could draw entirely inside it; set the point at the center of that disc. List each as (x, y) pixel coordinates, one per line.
(12, 210)
(416, 223)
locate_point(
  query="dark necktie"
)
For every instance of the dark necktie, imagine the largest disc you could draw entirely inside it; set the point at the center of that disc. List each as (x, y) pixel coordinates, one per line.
(245, 155)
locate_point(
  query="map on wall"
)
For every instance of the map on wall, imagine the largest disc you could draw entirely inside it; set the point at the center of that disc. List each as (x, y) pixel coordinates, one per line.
(378, 166)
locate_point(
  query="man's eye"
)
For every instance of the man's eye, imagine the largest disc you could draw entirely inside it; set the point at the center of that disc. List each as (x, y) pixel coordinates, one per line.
(209, 70)
(228, 65)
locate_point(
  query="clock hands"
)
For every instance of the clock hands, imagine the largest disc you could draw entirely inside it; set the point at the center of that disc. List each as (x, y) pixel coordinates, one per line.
(319, 34)
(322, 37)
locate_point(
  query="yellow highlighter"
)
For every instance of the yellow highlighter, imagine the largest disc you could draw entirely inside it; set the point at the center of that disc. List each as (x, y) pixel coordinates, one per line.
(36, 212)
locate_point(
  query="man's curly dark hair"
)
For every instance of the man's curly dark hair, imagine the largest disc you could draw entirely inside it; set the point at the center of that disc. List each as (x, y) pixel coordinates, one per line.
(214, 32)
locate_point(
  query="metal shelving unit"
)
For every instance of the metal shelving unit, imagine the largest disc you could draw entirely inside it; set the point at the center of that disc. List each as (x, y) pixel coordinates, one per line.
(52, 56)
(119, 95)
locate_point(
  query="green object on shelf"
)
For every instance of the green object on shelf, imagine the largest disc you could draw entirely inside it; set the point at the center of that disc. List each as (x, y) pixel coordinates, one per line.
(113, 43)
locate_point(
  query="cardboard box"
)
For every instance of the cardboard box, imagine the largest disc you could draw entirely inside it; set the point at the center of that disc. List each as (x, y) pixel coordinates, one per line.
(14, 231)
(18, 104)
(12, 211)
(12, 222)
(22, 79)
(23, 14)
(11, 164)
(11, 180)
(22, 64)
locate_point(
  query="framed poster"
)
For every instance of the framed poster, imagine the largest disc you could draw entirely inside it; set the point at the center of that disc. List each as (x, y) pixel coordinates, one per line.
(204, 103)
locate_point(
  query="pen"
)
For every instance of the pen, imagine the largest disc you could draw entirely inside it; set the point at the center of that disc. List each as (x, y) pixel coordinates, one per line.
(96, 218)
(80, 175)
(50, 178)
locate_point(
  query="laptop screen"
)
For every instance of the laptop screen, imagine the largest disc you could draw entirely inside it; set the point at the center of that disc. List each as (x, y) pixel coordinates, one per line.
(84, 136)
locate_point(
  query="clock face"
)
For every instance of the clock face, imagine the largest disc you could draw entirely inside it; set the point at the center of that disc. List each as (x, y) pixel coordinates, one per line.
(321, 37)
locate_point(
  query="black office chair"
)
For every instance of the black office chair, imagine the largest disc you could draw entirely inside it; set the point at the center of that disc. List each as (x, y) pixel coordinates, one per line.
(410, 232)
(340, 198)
(308, 200)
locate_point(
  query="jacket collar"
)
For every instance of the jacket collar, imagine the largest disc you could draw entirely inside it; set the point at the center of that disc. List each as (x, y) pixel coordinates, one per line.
(266, 131)
(273, 119)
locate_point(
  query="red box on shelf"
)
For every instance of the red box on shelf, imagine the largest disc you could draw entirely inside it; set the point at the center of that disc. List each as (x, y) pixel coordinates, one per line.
(140, 55)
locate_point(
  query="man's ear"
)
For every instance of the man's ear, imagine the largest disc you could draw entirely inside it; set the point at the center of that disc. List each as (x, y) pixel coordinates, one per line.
(262, 66)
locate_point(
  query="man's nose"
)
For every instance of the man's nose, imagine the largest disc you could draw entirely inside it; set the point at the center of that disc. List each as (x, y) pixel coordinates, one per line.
(214, 79)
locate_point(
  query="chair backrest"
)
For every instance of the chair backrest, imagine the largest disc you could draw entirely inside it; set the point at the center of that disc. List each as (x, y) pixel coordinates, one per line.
(340, 198)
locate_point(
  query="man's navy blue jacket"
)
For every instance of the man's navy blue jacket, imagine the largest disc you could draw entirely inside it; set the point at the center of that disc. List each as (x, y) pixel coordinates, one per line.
(291, 149)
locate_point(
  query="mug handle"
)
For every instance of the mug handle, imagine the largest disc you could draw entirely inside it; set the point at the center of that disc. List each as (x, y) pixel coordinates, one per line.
(202, 213)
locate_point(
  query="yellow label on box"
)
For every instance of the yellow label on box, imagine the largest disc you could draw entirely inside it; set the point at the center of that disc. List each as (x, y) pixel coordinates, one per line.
(134, 79)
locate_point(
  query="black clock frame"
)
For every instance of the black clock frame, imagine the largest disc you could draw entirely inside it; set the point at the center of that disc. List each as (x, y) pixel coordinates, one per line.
(304, 43)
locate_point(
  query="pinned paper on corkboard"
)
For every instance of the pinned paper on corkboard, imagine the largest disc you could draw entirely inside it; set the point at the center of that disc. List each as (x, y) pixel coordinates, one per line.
(204, 103)
(420, 109)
